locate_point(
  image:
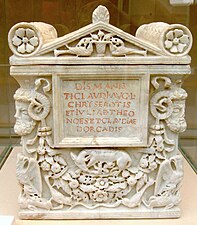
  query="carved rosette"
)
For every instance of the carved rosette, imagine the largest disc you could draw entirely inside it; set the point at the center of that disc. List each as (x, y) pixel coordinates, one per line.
(173, 40)
(26, 39)
(154, 39)
(177, 40)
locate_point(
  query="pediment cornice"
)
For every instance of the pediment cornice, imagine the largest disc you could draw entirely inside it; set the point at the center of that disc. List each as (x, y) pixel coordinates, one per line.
(100, 42)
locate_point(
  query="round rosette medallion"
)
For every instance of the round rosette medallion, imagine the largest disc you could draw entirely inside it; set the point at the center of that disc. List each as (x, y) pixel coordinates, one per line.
(177, 40)
(25, 39)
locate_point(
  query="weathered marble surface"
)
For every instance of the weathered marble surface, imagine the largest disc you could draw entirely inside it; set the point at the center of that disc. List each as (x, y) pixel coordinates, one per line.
(99, 112)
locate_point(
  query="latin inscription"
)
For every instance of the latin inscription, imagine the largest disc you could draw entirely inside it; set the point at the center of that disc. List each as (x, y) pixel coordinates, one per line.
(101, 108)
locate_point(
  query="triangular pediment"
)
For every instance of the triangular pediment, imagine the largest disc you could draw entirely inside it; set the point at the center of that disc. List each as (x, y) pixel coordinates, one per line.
(96, 35)
(101, 43)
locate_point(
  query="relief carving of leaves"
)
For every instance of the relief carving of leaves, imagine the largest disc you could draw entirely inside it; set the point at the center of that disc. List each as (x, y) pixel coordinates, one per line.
(140, 183)
(158, 161)
(65, 186)
(133, 169)
(75, 174)
(100, 14)
(41, 141)
(151, 158)
(41, 158)
(49, 142)
(57, 183)
(139, 175)
(79, 195)
(159, 141)
(117, 187)
(87, 188)
(151, 150)
(111, 197)
(169, 149)
(153, 166)
(86, 179)
(49, 159)
(145, 178)
(66, 176)
(60, 160)
(116, 179)
(123, 193)
(144, 162)
(145, 170)
(131, 180)
(159, 155)
(125, 173)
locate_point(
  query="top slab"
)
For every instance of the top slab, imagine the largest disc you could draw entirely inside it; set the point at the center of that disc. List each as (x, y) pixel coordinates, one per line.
(100, 43)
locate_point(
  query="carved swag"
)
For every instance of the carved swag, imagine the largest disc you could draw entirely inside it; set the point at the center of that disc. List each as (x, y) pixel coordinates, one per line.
(100, 177)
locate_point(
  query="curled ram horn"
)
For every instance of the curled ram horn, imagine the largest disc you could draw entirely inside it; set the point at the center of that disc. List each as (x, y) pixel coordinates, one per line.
(156, 85)
(161, 106)
(39, 108)
(38, 83)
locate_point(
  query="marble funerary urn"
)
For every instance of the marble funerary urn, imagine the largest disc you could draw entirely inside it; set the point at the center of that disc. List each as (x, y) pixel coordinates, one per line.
(99, 112)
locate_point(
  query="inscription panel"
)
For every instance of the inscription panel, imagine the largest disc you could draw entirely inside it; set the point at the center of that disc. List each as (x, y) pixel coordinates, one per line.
(101, 112)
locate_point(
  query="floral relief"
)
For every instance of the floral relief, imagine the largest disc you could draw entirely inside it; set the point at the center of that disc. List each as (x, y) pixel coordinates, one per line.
(100, 196)
(107, 184)
(96, 182)
(109, 189)
(105, 177)
(176, 41)
(25, 40)
(48, 160)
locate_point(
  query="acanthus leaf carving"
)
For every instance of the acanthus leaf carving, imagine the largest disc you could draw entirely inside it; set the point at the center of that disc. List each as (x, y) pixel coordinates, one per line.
(100, 14)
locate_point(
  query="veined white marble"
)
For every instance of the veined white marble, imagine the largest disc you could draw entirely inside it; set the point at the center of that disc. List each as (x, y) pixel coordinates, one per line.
(99, 112)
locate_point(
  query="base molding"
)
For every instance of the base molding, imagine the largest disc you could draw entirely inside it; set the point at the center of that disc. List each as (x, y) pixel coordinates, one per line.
(102, 213)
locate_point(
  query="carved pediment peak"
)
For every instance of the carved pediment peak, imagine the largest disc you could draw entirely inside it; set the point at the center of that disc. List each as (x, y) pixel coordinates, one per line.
(100, 14)
(101, 39)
